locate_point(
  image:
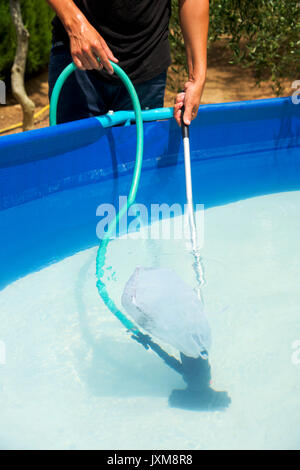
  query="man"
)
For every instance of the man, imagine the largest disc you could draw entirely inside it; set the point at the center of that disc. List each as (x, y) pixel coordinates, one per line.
(134, 34)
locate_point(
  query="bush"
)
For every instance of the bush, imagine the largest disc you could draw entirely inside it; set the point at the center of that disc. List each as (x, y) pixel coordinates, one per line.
(37, 18)
(261, 34)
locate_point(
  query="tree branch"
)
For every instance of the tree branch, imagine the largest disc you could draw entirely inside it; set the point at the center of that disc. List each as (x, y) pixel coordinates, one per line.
(19, 66)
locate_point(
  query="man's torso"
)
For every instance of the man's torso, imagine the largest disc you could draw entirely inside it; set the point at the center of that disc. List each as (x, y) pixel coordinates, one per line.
(135, 30)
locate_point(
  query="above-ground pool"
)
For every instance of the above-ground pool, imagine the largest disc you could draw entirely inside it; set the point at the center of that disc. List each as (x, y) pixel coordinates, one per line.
(70, 375)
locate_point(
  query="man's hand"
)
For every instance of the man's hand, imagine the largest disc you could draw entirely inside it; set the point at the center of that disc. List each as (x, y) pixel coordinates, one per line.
(88, 48)
(87, 45)
(194, 21)
(190, 98)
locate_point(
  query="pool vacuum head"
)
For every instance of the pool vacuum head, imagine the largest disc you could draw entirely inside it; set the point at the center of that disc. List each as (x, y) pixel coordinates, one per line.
(201, 400)
(198, 395)
(161, 303)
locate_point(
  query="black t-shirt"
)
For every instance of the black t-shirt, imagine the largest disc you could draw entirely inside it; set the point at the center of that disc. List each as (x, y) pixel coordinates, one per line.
(135, 30)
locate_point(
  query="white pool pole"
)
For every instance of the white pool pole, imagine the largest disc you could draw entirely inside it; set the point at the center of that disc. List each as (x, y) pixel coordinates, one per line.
(190, 205)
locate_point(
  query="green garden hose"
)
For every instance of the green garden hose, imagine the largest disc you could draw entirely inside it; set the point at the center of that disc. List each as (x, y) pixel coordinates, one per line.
(101, 254)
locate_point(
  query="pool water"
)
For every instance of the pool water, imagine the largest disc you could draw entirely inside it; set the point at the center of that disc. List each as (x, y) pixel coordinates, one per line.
(74, 379)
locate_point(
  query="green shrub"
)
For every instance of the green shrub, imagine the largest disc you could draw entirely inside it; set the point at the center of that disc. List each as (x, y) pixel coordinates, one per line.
(37, 18)
(261, 34)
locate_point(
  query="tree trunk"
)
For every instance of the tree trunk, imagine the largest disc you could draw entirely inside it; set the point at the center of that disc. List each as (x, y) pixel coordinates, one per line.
(19, 66)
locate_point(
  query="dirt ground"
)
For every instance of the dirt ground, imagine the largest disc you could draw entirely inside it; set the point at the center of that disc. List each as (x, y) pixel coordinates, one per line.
(225, 83)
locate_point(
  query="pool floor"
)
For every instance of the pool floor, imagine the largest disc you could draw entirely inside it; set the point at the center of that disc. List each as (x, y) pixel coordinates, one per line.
(74, 379)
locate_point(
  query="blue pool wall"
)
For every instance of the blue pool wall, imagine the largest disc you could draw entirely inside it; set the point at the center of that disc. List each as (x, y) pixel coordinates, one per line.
(243, 149)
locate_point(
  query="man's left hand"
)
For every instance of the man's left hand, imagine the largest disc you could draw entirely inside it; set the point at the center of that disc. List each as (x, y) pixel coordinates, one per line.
(190, 98)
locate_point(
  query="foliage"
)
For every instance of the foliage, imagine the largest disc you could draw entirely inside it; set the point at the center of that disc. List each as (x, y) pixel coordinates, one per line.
(37, 18)
(261, 34)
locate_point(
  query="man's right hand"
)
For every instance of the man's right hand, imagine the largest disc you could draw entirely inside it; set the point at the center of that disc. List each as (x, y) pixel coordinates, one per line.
(87, 45)
(85, 42)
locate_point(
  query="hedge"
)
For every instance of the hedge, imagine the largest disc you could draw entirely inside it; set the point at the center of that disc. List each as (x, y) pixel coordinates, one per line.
(37, 18)
(261, 34)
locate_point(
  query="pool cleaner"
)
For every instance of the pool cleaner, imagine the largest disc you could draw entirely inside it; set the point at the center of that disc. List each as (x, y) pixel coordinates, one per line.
(162, 304)
(191, 334)
(196, 370)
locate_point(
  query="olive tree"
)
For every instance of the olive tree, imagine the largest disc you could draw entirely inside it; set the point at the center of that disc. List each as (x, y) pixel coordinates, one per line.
(261, 34)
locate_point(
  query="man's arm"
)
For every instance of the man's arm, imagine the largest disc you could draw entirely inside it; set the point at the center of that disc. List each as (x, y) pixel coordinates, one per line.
(194, 20)
(86, 43)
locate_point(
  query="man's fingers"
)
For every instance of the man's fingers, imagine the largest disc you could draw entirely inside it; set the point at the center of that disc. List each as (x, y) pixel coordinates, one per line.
(180, 98)
(191, 98)
(90, 51)
(78, 63)
(80, 57)
(93, 58)
(90, 59)
(108, 52)
(99, 52)
(179, 102)
(187, 117)
(106, 65)
(177, 108)
(190, 112)
(98, 63)
(112, 57)
(177, 112)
